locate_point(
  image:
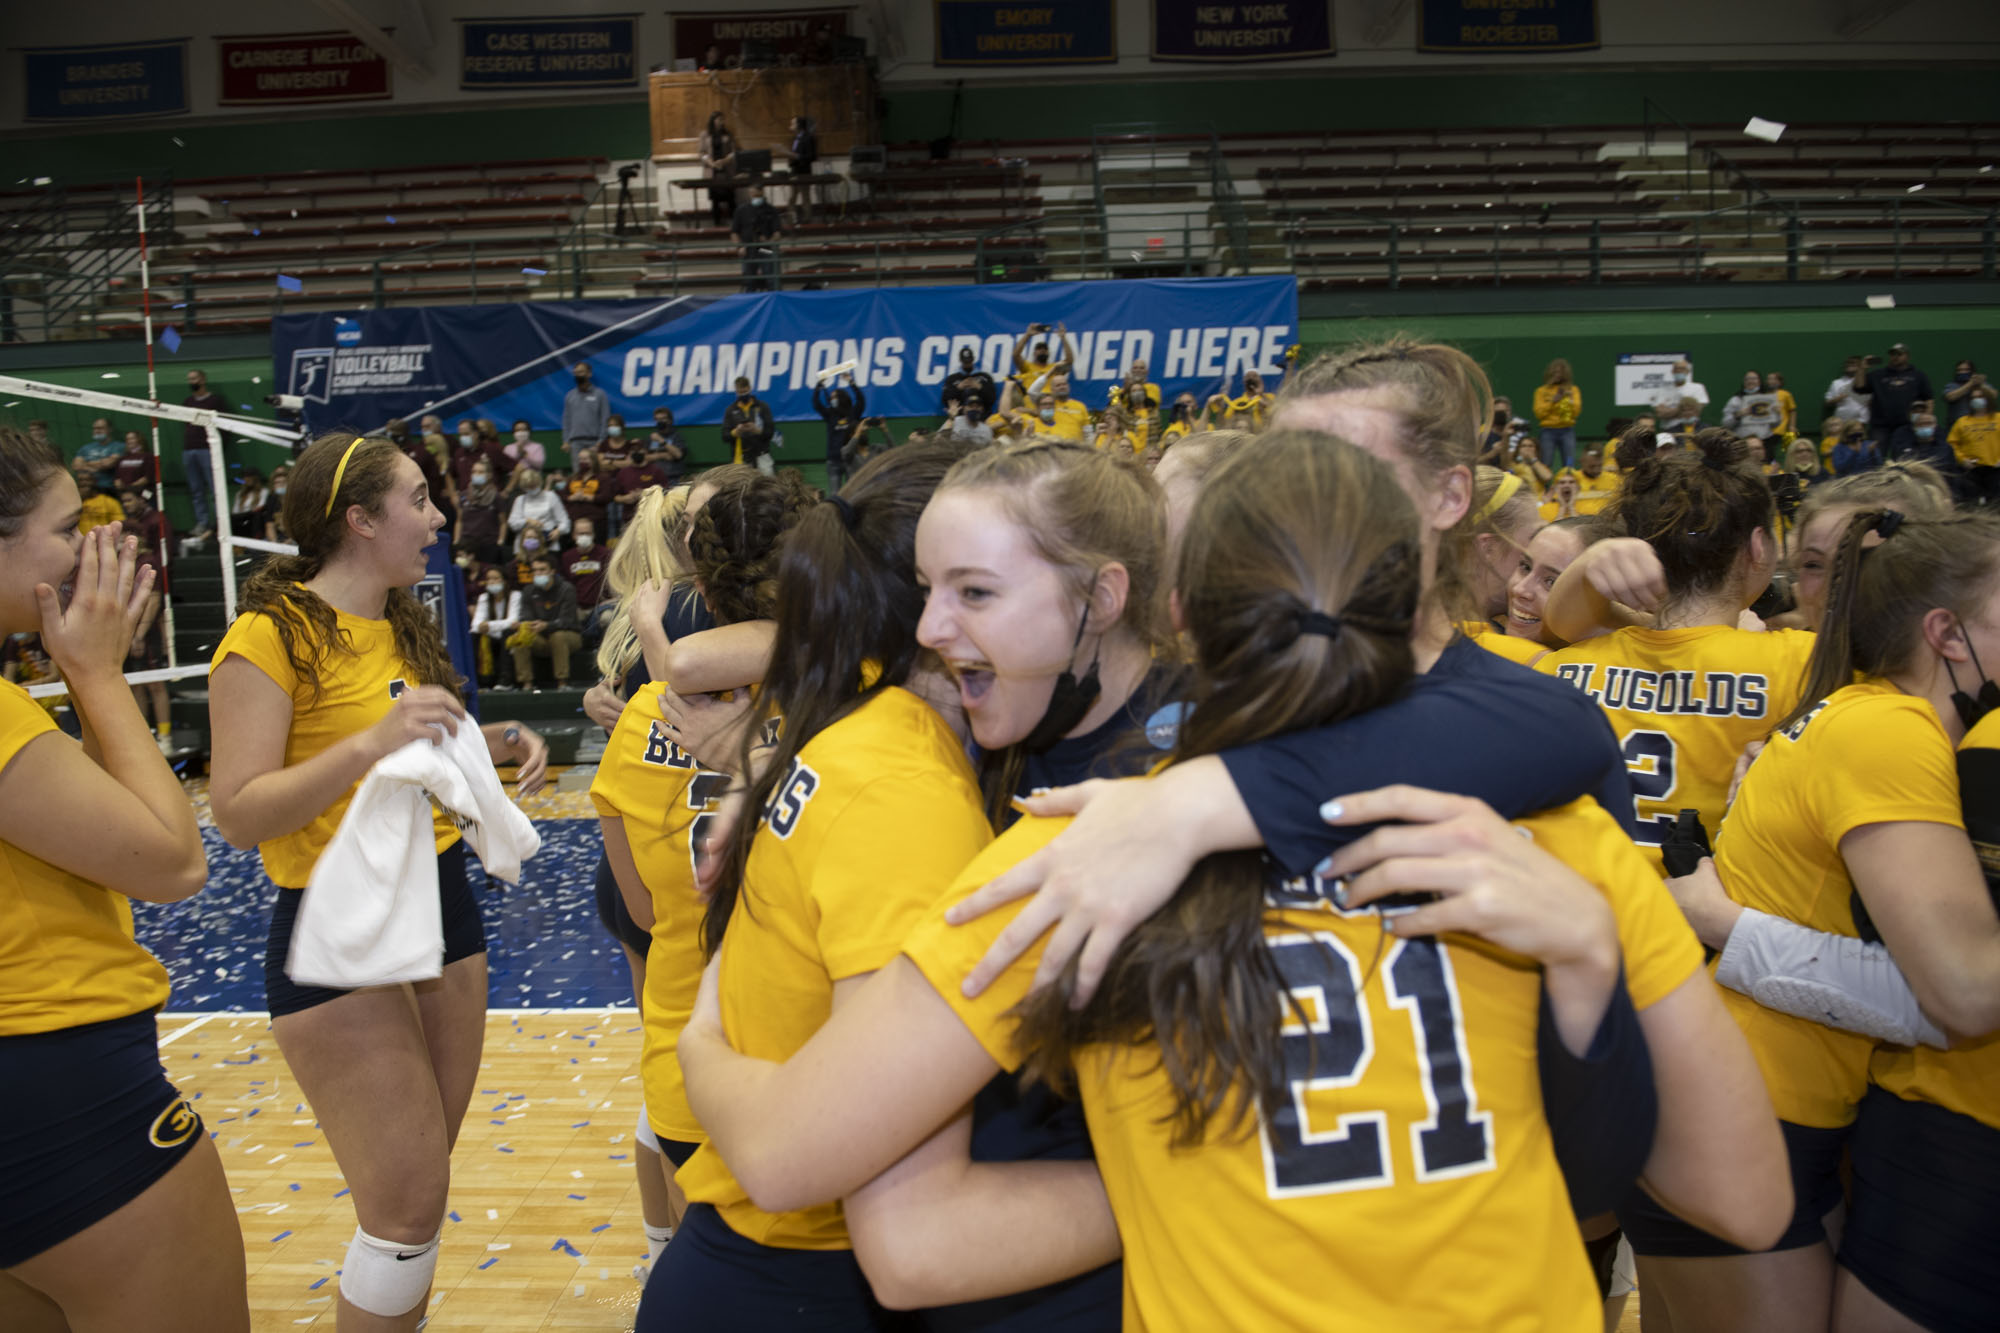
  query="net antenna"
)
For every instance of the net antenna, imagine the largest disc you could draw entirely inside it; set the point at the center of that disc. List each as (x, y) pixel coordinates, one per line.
(214, 423)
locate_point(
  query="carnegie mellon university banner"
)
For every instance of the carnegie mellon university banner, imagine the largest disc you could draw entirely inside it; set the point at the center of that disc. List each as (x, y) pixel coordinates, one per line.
(512, 362)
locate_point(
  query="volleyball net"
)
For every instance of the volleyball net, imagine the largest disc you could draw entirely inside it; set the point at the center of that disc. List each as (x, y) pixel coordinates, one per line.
(215, 424)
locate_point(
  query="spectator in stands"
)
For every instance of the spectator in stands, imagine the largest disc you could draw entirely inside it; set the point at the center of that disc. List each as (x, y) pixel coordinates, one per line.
(398, 430)
(149, 639)
(1112, 438)
(550, 626)
(1754, 413)
(494, 618)
(1671, 405)
(589, 492)
(1563, 498)
(968, 380)
(1140, 399)
(801, 158)
(1039, 363)
(1558, 404)
(439, 449)
(532, 542)
(1522, 456)
(1595, 486)
(634, 478)
(718, 160)
(525, 452)
(664, 446)
(1966, 379)
(1856, 451)
(1894, 391)
(617, 447)
(274, 512)
(135, 465)
(967, 423)
(1182, 419)
(586, 412)
(841, 404)
(1493, 443)
(38, 431)
(1926, 444)
(1072, 417)
(246, 512)
(865, 444)
(98, 508)
(748, 427)
(196, 464)
(535, 503)
(1788, 406)
(1248, 410)
(1843, 400)
(1975, 443)
(583, 563)
(756, 225)
(1683, 418)
(100, 452)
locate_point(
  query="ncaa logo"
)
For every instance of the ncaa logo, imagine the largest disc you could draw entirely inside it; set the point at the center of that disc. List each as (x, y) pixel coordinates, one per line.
(175, 1125)
(347, 332)
(311, 369)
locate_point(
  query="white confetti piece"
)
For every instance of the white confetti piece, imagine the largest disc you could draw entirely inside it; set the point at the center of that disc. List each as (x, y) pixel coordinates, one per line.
(501, 1245)
(576, 1175)
(492, 1214)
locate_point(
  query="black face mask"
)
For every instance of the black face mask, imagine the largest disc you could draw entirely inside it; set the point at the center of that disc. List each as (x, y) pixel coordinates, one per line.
(1971, 710)
(583, 381)
(743, 398)
(1071, 699)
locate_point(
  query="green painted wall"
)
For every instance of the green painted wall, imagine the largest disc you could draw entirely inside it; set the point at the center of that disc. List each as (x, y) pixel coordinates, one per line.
(1807, 346)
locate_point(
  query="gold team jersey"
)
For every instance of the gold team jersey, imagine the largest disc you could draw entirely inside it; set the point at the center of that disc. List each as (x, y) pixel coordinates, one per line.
(1411, 1185)
(1685, 703)
(1976, 440)
(67, 956)
(1868, 755)
(879, 812)
(661, 794)
(356, 691)
(1966, 1078)
(1502, 644)
(1071, 417)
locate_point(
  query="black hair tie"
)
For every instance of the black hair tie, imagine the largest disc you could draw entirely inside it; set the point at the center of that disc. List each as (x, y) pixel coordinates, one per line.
(1889, 524)
(1319, 622)
(848, 518)
(1715, 463)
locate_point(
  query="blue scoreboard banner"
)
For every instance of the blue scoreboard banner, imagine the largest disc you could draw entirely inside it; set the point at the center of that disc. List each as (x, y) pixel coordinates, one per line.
(1507, 27)
(589, 52)
(103, 82)
(1054, 32)
(1232, 33)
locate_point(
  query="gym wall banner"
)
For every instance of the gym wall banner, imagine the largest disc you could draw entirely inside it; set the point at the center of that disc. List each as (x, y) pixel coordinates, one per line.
(1055, 32)
(1507, 27)
(1197, 30)
(298, 68)
(513, 362)
(105, 82)
(587, 52)
(788, 31)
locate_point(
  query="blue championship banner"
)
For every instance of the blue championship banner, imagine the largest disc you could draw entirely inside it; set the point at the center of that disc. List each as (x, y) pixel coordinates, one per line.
(1200, 30)
(587, 52)
(512, 362)
(1501, 27)
(101, 82)
(1054, 32)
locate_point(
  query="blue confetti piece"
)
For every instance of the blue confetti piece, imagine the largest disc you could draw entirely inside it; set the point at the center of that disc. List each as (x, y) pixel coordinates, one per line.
(317, 1285)
(496, 1122)
(288, 283)
(577, 1196)
(253, 1112)
(601, 1226)
(618, 1157)
(295, 1187)
(536, 272)
(391, 217)
(581, 1124)
(280, 1236)
(254, 231)
(517, 1096)
(566, 1248)
(504, 1149)
(490, 1262)
(170, 338)
(453, 1215)
(307, 1144)
(342, 1194)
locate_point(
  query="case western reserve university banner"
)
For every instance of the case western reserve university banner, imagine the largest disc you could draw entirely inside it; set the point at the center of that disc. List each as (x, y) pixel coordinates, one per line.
(999, 32)
(1235, 33)
(512, 362)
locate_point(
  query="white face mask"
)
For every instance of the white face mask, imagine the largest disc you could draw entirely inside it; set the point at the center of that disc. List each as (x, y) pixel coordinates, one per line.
(585, 537)
(495, 589)
(614, 430)
(480, 478)
(465, 440)
(521, 437)
(1680, 377)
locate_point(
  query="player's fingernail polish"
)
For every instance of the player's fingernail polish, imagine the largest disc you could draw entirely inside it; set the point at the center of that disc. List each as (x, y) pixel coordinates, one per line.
(1324, 868)
(1340, 893)
(1330, 811)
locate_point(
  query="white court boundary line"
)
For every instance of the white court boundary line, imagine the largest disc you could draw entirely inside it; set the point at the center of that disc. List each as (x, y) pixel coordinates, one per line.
(180, 1032)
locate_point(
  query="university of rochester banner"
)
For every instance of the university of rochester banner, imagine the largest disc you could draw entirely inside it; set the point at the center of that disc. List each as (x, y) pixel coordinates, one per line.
(1487, 27)
(786, 31)
(513, 362)
(1000, 32)
(1232, 33)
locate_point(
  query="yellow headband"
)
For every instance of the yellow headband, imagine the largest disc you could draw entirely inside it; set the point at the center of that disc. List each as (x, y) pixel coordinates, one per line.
(1501, 495)
(338, 473)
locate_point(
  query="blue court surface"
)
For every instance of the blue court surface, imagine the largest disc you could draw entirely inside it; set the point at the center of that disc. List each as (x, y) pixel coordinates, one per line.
(545, 946)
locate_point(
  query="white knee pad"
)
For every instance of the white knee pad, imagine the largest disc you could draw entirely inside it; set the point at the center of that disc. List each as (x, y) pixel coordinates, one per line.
(644, 1133)
(385, 1278)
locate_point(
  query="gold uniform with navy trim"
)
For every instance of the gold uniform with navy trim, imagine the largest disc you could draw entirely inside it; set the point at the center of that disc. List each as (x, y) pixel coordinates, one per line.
(1411, 1184)
(1966, 1078)
(357, 690)
(661, 793)
(1870, 754)
(1685, 704)
(67, 956)
(878, 813)
(1502, 644)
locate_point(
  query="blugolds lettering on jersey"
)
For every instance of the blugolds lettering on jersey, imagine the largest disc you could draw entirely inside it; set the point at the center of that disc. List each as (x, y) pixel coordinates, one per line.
(1798, 728)
(662, 752)
(1686, 693)
(789, 798)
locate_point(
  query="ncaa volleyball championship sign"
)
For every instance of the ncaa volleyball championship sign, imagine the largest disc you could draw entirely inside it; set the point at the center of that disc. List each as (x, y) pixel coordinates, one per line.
(513, 362)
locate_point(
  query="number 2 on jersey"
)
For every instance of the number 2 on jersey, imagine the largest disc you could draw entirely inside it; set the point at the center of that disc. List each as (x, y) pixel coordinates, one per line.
(1649, 762)
(1333, 1049)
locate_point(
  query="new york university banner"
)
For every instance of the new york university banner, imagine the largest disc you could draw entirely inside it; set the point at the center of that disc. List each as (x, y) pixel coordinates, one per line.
(1485, 27)
(1227, 31)
(512, 362)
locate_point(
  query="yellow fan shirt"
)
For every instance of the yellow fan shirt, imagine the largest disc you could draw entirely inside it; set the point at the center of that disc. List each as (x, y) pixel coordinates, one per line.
(357, 689)
(660, 793)
(1868, 755)
(1976, 440)
(1411, 1184)
(1071, 417)
(67, 956)
(1685, 704)
(876, 816)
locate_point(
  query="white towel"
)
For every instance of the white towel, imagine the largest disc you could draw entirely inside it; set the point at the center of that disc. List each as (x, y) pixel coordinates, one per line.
(370, 915)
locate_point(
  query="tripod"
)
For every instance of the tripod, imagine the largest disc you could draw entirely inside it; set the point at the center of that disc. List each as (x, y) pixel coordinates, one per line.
(628, 212)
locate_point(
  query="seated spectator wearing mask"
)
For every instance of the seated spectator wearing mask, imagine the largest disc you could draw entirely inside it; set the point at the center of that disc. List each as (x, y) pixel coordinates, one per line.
(615, 445)
(1966, 380)
(1856, 451)
(100, 452)
(1753, 414)
(525, 451)
(135, 466)
(1071, 415)
(1975, 442)
(274, 512)
(583, 563)
(535, 503)
(495, 615)
(1925, 444)
(1669, 405)
(551, 626)
(481, 514)
(531, 545)
(588, 493)
(664, 445)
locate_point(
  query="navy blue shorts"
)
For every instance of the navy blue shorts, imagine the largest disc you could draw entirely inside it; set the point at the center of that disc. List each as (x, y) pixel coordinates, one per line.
(88, 1124)
(1920, 1231)
(1815, 1158)
(677, 1151)
(713, 1280)
(464, 935)
(611, 910)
